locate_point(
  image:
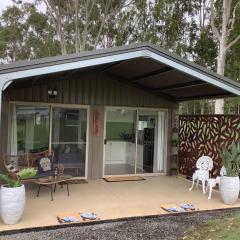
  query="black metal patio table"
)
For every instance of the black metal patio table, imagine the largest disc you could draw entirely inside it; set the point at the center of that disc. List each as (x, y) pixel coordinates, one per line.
(52, 181)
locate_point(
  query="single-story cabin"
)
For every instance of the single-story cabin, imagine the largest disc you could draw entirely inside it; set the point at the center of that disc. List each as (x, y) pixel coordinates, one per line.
(105, 112)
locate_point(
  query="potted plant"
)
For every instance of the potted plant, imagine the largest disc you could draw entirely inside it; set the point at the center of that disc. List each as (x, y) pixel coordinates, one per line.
(13, 195)
(229, 184)
(174, 149)
(174, 168)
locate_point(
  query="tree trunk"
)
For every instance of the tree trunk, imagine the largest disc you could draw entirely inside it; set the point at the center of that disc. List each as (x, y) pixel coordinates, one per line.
(221, 60)
(61, 33)
(77, 40)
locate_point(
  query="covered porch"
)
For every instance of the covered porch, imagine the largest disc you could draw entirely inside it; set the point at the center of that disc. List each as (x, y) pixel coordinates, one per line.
(102, 113)
(113, 200)
(77, 102)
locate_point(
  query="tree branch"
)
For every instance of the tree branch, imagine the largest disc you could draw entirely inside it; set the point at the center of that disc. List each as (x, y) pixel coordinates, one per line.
(233, 42)
(51, 9)
(107, 6)
(212, 17)
(232, 21)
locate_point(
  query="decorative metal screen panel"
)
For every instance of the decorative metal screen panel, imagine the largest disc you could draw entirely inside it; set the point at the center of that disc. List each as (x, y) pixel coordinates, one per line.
(205, 135)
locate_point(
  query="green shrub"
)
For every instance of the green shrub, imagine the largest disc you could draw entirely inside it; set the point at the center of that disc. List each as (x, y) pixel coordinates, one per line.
(22, 175)
(231, 160)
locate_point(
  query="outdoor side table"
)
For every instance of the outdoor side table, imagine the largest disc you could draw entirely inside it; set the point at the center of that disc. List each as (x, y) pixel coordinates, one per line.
(51, 182)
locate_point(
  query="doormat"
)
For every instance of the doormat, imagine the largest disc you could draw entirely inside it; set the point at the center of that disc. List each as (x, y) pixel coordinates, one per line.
(74, 181)
(123, 179)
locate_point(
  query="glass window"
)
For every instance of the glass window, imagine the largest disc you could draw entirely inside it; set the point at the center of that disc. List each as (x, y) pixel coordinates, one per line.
(30, 129)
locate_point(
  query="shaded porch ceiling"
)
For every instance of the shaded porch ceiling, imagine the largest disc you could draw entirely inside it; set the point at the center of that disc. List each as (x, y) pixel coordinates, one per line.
(162, 80)
(145, 72)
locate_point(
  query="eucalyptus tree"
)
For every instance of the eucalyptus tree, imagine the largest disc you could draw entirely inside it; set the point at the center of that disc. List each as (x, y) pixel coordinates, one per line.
(26, 33)
(212, 23)
(162, 22)
(81, 24)
(223, 22)
(13, 35)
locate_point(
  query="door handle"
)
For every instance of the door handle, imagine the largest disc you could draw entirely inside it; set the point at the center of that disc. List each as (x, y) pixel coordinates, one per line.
(105, 141)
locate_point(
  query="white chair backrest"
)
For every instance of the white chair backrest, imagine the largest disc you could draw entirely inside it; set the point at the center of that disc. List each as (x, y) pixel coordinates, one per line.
(204, 163)
(223, 171)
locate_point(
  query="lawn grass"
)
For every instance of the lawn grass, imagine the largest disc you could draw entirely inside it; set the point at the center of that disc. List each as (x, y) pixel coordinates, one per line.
(227, 228)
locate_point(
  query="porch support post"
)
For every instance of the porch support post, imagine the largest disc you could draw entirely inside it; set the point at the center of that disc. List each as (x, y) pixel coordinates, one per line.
(1, 94)
(174, 137)
(1, 111)
(1, 130)
(4, 83)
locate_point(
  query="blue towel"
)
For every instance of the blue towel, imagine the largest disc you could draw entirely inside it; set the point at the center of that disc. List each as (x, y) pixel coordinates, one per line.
(187, 206)
(91, 216)
(71, 219)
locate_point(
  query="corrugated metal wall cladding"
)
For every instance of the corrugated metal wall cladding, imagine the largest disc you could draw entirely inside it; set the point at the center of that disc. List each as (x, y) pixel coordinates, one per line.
(89, 89)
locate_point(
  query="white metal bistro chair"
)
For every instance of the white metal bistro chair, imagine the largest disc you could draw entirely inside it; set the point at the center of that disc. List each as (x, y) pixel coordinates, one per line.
(212, 182)
(204, 165)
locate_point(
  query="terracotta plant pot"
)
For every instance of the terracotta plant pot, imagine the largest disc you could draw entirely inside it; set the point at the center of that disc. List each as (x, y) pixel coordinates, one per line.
(229, 189)
(12, 203)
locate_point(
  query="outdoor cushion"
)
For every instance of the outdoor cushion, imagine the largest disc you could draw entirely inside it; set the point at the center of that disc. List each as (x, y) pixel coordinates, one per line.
(11, 168)
(44, 164)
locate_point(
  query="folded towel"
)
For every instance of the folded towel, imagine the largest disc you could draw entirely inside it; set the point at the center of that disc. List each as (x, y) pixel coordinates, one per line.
(91, 216)
(187, 206)
(70, 219)
(175, 209)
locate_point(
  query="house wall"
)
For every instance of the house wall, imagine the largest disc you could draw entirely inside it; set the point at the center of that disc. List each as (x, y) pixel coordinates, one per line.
(85, 88)
(88, 88)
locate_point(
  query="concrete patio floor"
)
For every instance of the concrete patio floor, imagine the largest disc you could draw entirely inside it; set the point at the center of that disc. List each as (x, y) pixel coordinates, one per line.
(112, 200)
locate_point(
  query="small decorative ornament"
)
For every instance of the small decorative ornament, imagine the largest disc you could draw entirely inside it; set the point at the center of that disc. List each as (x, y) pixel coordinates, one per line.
(96, 123)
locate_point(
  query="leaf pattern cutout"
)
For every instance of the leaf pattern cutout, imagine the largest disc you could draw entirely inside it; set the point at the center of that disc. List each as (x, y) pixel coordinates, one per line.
(205, 135)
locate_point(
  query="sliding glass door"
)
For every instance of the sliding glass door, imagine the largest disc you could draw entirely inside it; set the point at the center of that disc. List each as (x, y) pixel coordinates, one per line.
(150, 144)
(120, 142)
(64, 130)
(134, 141)
(69, 138)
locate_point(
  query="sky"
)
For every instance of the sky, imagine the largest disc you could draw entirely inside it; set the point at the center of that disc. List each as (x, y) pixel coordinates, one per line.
(5, 3)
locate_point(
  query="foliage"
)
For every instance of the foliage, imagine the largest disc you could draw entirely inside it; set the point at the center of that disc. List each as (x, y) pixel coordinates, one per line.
(197, 107)
(174, 166)
(232, 69)
(26, 33)
(206, 50)
(22, 175)
(175, 142)
(225, 228)
(231, 160)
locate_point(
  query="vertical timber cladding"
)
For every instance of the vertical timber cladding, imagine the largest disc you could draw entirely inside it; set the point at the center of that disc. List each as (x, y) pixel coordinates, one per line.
(205, 135)
(87, 88)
